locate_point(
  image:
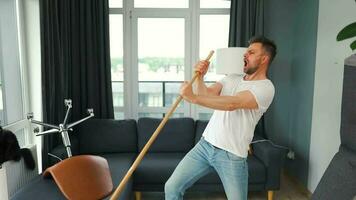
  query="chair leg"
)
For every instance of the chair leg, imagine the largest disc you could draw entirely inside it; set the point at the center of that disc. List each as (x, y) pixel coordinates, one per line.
(270, 195)
(138, 195)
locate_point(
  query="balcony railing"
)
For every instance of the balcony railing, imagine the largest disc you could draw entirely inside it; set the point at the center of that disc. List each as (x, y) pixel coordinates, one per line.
(151, 94)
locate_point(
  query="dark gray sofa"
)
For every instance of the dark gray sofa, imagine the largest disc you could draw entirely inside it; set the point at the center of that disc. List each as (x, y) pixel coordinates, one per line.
(119, 141)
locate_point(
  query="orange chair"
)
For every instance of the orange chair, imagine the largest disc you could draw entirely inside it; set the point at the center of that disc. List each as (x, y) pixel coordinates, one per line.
(82, 177)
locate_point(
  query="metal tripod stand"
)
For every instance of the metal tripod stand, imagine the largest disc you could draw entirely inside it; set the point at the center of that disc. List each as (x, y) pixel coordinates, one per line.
(61, 128)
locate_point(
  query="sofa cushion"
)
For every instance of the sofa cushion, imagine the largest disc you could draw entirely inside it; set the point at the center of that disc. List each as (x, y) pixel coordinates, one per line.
(156, 168)
(97, 136)
(176, 136)
(256, 170)
(39, 188)
(200, 126)
(119, 164)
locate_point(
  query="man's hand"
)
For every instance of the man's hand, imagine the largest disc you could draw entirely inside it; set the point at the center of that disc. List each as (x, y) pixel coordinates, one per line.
(186, 92)
(202, 67)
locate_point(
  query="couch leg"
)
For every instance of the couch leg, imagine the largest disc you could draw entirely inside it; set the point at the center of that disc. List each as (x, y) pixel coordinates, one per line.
(270, 195)
(138, 195)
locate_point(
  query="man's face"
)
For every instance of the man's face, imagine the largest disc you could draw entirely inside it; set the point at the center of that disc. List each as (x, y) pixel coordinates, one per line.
(253, 58)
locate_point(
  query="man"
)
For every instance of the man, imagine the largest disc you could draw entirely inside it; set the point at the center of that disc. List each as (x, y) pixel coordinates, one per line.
(239, 102)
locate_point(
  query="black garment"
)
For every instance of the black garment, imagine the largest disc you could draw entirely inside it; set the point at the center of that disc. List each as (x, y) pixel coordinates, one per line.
(10, 149)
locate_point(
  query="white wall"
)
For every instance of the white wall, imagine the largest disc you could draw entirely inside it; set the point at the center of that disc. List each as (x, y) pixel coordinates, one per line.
(330, 55)
(3, 185)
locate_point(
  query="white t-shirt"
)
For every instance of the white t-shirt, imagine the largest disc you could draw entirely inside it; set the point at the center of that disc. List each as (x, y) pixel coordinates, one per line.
(233, 130)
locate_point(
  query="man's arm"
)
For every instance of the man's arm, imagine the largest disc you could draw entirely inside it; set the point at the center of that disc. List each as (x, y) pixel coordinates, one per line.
(242, 100)
(202, 89)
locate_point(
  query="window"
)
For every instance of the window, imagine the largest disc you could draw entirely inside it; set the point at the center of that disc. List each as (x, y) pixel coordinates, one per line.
(154, 46)
(214, 3)
(115, 3)
(161, 3)
(221, 31)
(160, 61)
(13, 97)
(117, 70)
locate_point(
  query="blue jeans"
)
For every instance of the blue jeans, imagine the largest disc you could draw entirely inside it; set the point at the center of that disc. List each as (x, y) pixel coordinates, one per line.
(203, 159)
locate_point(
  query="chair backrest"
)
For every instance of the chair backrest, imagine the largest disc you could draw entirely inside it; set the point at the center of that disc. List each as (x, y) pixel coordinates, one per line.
(82, 177)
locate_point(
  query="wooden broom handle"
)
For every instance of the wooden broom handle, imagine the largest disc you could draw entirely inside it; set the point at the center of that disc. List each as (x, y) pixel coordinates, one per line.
(143, 152)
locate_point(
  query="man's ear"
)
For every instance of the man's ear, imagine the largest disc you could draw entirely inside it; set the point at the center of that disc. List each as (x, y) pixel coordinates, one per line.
(265, 59)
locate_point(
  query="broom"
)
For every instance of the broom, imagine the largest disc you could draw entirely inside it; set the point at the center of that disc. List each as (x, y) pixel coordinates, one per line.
(152, 139)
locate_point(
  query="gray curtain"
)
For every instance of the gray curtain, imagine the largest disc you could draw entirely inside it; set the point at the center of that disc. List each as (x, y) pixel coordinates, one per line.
(75, 62)
(246, 20)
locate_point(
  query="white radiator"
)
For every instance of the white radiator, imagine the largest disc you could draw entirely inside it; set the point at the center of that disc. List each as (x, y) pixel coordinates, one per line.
(14, 175)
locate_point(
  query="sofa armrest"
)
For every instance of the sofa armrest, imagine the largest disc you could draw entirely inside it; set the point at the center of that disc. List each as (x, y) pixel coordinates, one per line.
(61, 152)
(272, 157)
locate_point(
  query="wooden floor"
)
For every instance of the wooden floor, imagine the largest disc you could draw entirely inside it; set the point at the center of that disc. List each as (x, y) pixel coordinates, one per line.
(290, 190)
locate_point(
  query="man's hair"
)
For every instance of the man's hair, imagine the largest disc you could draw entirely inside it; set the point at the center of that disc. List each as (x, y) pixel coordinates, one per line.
(268, 45)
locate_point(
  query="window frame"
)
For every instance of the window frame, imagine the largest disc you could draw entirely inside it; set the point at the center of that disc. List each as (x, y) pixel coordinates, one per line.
(130, 51)
(20, 60)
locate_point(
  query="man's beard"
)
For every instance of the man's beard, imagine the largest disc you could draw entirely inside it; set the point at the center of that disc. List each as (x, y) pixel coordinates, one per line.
(251, 70)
